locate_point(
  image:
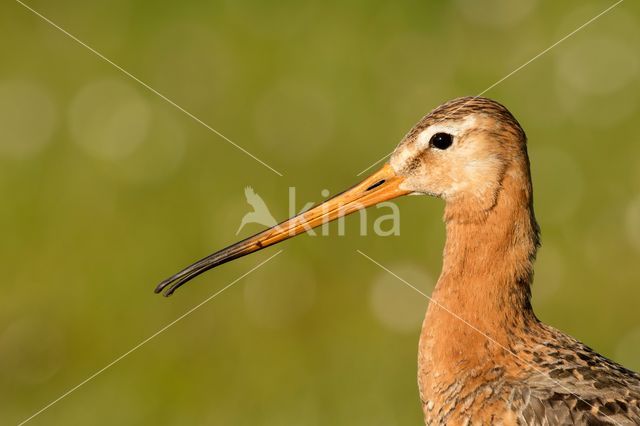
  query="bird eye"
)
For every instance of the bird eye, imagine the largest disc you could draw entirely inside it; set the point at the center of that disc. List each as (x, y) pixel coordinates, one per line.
(441, 140)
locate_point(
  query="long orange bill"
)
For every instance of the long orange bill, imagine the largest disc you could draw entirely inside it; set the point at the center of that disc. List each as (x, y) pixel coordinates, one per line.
(380, 186)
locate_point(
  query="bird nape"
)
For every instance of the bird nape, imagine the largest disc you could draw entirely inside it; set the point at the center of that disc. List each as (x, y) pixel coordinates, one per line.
(484, 357)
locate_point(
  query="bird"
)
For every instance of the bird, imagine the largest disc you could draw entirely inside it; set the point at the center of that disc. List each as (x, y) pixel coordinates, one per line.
(260, 214)
(484, 357)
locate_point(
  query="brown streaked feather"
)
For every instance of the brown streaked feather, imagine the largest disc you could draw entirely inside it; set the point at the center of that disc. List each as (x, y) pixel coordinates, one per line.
(579, 386)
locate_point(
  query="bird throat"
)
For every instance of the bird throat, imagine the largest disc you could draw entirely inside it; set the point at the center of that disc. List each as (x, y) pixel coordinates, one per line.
(482, 300)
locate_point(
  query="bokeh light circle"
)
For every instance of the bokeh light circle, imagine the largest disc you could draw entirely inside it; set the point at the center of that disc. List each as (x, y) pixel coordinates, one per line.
(598, 65)
(596, 74)
(109, 119)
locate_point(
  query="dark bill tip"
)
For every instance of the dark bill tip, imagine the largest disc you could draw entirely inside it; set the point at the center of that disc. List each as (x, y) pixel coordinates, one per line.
(170, 285)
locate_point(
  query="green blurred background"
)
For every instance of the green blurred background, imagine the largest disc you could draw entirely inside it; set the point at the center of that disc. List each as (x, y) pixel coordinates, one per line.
(106, 189)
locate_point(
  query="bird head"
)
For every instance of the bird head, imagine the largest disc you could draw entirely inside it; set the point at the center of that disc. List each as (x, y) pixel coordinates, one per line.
(459, 152)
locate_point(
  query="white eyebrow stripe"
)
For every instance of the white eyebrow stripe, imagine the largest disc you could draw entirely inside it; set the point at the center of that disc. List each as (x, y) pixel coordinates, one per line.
(422, 141)
(407, 151)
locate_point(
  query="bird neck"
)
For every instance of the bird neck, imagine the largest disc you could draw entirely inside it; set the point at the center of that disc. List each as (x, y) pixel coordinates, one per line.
(486, 275)
(488, 256)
